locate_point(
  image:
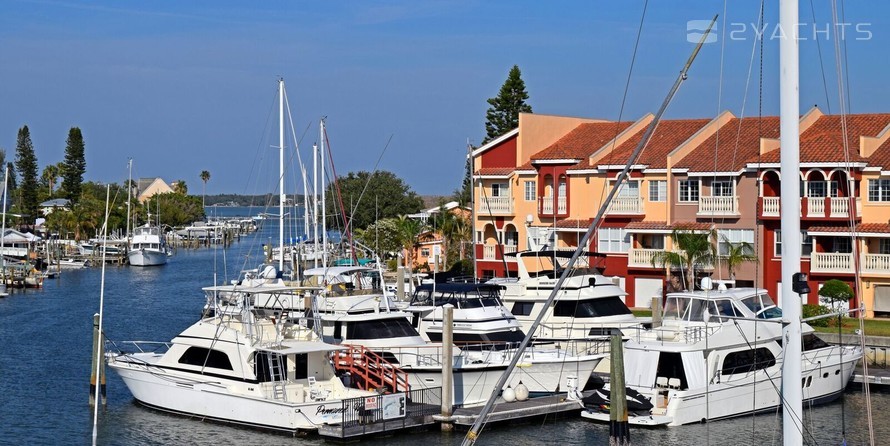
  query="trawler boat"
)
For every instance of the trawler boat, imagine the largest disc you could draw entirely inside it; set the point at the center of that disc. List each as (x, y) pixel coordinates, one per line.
(719, 354)
(239, 369)
(588, 305)
(479, 315)
(147, 247)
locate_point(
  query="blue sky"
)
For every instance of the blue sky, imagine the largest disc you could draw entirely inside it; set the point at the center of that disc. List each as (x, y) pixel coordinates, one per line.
(183, 87)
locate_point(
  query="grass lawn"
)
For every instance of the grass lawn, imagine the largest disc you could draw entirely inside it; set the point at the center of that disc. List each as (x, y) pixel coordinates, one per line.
(873, 327)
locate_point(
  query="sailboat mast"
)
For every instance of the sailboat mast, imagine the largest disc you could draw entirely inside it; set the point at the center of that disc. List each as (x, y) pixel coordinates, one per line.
(324, 232)
(315, 203)
(281, 196)
(129, 191)
(789, 172)
(3, 233)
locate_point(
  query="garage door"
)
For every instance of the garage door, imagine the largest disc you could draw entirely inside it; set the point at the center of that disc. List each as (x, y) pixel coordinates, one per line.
(645, 290)
(882, 298)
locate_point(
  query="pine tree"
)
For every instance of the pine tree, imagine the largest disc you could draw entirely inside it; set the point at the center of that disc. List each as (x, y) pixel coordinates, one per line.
(503, 115)
(74, 165)
(26, 165)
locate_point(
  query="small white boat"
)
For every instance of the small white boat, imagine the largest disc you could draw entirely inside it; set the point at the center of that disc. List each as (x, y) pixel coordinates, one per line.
(148, 247)
(72, 263)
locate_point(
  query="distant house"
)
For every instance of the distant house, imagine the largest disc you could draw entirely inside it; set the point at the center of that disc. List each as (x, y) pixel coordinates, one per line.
(149, 187)
(429, 243)
(47, 207)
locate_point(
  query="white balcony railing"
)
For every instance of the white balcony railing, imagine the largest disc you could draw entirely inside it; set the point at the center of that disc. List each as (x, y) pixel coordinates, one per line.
(496, 206)
(840, 207)
(815, 206)
(771, 206)
(831, 262)
(547, 205)
(561, 206)
(626, 205)
(718, 205)
(876, 264)
(509, 249)
(488, 252)
(641, 257)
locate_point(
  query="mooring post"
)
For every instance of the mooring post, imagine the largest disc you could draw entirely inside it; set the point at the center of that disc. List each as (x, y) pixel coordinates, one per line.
(619, 432)
(447, 367)
(657, 312)
(97, 356)
(400, 283)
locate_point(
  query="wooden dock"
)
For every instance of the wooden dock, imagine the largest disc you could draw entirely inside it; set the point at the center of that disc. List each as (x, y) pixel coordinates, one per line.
(553, 405)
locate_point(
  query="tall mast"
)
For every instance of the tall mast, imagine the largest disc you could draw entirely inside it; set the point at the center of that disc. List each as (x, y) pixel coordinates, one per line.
(315, 203)
(789, 172)
(129, 190)
(3, 233)
(281, 196)
(324, 229)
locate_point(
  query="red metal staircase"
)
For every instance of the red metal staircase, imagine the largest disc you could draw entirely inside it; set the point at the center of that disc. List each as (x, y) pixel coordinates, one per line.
(370, 370)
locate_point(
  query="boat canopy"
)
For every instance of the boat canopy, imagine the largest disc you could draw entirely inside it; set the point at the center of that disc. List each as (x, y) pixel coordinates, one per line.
(289, 347)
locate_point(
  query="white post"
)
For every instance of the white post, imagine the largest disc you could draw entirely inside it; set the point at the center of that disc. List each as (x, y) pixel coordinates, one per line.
(447, 365)
(324, 231)
(281, 196)
(129, 189)
(315, 202)
(789, 137)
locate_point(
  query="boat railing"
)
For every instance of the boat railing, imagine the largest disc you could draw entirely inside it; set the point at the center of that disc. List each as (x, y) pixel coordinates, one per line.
(669, 333)
(128, 347)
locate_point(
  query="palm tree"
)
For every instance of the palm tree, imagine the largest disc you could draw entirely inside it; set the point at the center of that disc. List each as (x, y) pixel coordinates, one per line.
(737, 254)
(50, 175)
(205, 177)
(407, 229)
(696, 248)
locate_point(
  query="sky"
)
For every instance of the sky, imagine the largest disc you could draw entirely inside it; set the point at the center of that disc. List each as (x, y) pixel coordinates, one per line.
(186, 86)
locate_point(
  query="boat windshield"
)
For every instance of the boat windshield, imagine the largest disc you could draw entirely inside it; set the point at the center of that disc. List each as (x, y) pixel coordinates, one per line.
(475, 298)
(686, 308)
(763, 306)
(604, 306)
(380, 329)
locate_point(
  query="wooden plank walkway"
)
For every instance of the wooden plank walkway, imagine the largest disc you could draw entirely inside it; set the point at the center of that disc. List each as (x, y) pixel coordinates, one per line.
(517, 410)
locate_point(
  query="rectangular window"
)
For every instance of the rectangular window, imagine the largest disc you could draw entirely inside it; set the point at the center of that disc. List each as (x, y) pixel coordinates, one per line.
(500, 189)
(530, 190)
(816, 189)
(884, 246)
(721, 188)
(658, 190)
(688, 191)
(613, 240)
(879, 190)
(734, 237)
(629, 189)
(842, 245)
(806, 243)
(425, 252)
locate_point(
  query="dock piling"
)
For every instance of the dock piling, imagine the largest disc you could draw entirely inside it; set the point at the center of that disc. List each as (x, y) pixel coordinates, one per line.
(97, 356)
(447, 367)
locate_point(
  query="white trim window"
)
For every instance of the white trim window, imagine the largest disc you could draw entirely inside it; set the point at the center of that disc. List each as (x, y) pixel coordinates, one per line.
(731, 237)
(657, 190)
(806, 243)
(722, 188)
(613, 240)
(688, 191)
(531, 190)
(629, 189)
(884, 246)
(879, 190)
(500, 190)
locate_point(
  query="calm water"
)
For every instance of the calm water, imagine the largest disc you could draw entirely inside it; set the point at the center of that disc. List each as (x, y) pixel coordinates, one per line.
(45, 362)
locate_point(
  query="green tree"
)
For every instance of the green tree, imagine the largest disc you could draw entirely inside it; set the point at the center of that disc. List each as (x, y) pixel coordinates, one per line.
(180, 187)
(835, 292)
(736, 254)
(382, 235)
(407, 230)
(49, 177)
(205, 177)
(503, 115)
(368, 197)
(696, 249)
(174, 209)
(26, 164)
(74, 165)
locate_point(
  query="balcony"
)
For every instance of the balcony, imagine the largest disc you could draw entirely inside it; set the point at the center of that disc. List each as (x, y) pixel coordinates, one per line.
(488, 252)
(831, 262)
(491, 252)
(642, 258)
(496, 206)
(875, 264)
(546, 206)
(626, 206)
(708, 206)
(814, 207)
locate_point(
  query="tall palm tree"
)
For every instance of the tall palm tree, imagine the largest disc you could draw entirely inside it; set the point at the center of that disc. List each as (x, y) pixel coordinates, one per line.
(407, 229)
(696, 248)
(205, 177)
(737, 253)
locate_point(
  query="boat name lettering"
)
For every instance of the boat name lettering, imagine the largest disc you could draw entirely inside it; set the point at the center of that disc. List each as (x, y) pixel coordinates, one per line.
(322, 410)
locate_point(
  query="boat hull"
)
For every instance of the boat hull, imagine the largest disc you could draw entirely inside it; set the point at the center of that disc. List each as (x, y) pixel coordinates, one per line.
(146, 257)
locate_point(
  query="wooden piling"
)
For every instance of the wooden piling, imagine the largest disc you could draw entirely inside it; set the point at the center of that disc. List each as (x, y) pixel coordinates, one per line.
(447, 368)
(657, 312)
(98, 358)
(619, 429)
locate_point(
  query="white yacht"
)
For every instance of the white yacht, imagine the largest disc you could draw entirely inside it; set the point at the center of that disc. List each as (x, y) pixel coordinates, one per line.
(588, 305)
(238, 369)
(147, 246)
(479, 315)
(719, 354)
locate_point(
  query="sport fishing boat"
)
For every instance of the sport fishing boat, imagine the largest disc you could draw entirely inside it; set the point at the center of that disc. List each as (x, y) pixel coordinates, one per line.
(147, 247)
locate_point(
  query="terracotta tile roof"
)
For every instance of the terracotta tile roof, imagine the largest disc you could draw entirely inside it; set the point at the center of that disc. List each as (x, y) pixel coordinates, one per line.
(668, 135)
(867, 228)
(495, 171)
(582, 141)
(526, 166)
(692, 226)
(824, 142)
(573, 224)
(648, 225)
(739, 141)
(881, 156)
